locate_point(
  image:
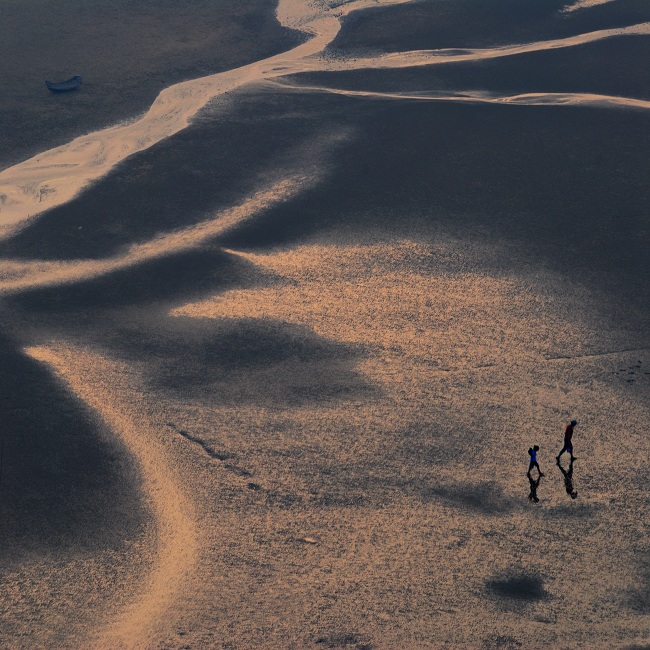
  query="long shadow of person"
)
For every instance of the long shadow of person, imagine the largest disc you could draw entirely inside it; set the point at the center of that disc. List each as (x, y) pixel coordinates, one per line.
(568, 479)
(534, 484)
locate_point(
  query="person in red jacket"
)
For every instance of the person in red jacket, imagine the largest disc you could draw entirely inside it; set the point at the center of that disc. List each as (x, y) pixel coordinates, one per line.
(568, 444)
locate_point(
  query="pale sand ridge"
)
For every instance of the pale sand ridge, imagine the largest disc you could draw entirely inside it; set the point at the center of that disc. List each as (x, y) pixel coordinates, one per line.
(21, 275)
(483, 97)
(175, 556)
(455, 55)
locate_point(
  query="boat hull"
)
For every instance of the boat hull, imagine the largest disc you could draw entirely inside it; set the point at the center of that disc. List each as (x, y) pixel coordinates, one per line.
(64, 86)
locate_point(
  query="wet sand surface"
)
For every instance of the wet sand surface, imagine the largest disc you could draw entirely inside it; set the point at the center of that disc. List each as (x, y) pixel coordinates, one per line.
(269, 382)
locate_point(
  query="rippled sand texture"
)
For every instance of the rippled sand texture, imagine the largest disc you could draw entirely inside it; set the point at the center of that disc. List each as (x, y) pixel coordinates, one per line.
(274, 351)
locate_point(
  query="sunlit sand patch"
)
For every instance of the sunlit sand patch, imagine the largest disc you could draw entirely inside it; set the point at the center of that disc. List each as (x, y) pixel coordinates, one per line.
(398, 301)
(451, 349)
(459, 350)
(448, 348)
(94, 381)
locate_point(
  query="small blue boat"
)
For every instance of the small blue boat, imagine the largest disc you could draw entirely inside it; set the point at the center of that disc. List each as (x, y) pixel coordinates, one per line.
(62, 86)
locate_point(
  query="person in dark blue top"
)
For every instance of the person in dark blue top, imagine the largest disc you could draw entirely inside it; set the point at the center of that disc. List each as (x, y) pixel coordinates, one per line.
(532, 452)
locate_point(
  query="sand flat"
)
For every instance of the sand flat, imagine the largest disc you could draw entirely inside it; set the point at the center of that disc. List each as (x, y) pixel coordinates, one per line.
(271, 377)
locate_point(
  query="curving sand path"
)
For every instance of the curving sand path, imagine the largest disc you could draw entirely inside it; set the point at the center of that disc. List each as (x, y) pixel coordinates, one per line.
(56, 176)
(85, 374)
(456, 55)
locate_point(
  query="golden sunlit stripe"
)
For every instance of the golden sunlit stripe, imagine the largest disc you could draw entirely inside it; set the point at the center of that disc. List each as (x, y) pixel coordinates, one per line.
(85, 374)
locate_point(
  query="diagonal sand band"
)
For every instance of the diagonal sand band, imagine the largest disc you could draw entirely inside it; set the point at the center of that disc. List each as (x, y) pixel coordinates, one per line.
(483, 97)
(584, 4)
(56, 176)
(456, 55)
(18, 276)
(175, 556)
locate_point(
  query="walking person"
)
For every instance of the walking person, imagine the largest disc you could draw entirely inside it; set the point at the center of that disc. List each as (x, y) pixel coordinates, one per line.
(532, 452)
(568, 444)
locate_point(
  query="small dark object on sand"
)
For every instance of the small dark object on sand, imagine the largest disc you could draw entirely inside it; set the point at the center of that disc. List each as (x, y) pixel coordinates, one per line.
(568, 479)
(534, 484)
(62, 86)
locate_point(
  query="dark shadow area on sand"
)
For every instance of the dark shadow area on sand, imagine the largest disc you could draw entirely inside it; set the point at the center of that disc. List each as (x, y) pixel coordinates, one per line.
(126, 53)
(67, 485)
(567, 185)
(638, 598)
(434, 24)
(349, 640)
(533, 484)
(515, 588)
(244, 361)
(226, 361)
(382, 479)
(567, 475)
(501, 642)
(486, 497)
(173, 278)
